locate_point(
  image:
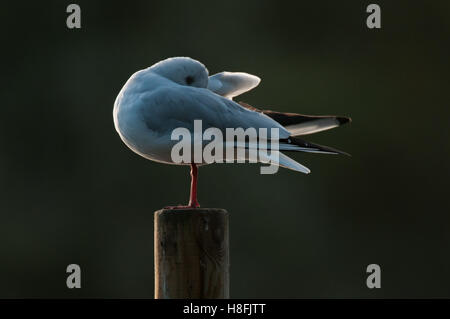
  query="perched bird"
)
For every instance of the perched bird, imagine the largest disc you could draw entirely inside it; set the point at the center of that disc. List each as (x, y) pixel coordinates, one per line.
(177, 91)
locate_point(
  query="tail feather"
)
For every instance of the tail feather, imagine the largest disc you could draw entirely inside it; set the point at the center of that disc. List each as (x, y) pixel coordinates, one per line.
(280, 159)
(287, 162)
(272, 157)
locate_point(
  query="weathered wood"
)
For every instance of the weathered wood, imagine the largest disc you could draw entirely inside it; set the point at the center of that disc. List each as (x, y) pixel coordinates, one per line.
(191, 253)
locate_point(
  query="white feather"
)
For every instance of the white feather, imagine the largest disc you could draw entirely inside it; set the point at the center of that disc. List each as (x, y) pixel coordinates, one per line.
(273, 158)
(231, 84)
(312, 126)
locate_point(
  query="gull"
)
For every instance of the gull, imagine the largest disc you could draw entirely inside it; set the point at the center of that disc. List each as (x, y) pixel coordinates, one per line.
(175, 92)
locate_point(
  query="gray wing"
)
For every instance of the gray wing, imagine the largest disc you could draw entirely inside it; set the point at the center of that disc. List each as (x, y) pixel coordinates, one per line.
(171, 107)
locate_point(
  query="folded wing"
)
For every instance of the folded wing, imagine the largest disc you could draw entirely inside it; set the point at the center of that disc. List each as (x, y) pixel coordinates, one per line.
(171, 107)
(299, 124)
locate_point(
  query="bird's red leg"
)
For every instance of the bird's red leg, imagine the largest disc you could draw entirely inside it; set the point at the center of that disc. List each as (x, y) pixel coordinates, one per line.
(194, 177)
(193, 203)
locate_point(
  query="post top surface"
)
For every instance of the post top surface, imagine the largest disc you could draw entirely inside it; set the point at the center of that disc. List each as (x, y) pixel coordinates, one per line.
(192, 211)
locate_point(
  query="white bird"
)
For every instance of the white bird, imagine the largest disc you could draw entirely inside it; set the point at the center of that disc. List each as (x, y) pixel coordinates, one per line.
(176, 91)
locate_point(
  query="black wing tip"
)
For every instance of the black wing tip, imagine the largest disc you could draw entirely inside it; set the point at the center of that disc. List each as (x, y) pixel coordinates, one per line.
(343, 120)
(323, 148)
(334, 151)
(345, 153)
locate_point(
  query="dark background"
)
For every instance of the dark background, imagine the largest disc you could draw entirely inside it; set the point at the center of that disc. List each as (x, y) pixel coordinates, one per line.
(71, 192)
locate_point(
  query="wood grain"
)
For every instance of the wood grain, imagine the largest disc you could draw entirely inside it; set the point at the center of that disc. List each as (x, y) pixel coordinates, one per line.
(191, 253)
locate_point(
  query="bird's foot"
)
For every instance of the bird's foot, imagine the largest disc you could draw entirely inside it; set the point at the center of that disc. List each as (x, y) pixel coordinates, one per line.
(194, 204)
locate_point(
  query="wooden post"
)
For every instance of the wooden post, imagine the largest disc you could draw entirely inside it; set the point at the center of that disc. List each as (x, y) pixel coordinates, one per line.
(191, 253)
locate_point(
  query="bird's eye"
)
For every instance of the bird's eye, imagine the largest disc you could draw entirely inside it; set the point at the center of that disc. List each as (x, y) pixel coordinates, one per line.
(189, 79)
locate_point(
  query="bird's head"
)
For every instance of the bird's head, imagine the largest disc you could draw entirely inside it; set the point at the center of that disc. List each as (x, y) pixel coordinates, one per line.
(183, 70)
